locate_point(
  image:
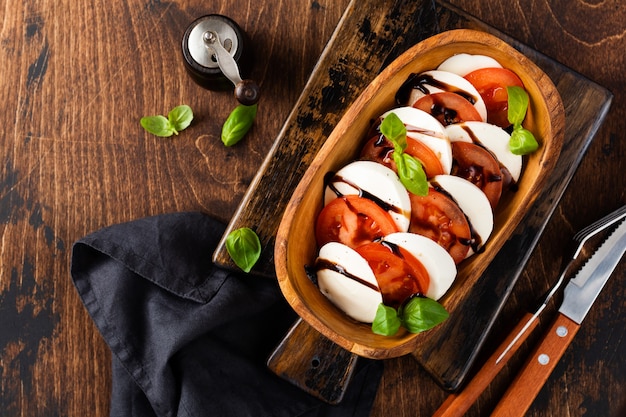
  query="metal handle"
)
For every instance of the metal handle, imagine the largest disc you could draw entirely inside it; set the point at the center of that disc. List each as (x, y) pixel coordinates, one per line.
(246, 91)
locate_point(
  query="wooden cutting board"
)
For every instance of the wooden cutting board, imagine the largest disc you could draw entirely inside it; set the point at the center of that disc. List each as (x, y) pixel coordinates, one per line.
(371, 34)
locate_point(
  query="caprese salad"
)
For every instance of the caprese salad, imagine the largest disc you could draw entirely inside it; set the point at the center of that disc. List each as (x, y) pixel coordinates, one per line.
(421, 197)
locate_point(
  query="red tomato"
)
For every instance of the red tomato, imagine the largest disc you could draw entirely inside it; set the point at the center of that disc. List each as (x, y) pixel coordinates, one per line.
(478, 166)
(448, 108)
(491, 84)
(439, 218)
(379, 149)
(399, 274)
(353, 221)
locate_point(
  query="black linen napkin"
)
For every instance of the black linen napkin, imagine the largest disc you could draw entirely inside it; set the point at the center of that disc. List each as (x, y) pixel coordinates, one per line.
(189, 338)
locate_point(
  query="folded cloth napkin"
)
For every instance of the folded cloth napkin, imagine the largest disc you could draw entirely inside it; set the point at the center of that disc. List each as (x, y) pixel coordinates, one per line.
(189, 338)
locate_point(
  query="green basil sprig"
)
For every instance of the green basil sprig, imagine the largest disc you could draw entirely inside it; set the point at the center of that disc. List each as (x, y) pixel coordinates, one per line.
(178, 119)
(522, 141)
(417, 315)
(386, 322)
(244, 247)
(410, 170)
(238, 123)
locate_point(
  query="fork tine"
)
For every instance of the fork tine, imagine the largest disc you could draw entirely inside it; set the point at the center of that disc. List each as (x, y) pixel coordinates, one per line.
(583, 235)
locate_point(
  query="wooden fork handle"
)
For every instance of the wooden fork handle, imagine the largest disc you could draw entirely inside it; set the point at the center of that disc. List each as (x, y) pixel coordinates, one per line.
(457, 404)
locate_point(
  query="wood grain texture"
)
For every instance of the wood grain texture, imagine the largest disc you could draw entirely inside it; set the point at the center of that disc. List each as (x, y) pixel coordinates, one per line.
(538, 367)
(449, 350)
(363, 44)
(296, 246)
(76, 78)
(317, 366)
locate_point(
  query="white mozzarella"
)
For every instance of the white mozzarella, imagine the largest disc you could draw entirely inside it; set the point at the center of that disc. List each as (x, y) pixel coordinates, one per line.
(492, 137)
(375, 179)
(463, 64)
(456, 83)
(472, 201)
(358, 300)
(428, 130)
(437, 261)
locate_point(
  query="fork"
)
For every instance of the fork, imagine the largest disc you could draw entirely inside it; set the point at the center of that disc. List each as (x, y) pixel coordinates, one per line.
(457, 404)
(581, 238)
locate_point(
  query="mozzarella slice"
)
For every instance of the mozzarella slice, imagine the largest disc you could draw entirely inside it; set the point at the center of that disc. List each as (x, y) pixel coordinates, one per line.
(437, 261)
(358, 298)
(373, 180)
(473, 202)
(447, 81)
(428, 130)
(492, 137)
(463, 64)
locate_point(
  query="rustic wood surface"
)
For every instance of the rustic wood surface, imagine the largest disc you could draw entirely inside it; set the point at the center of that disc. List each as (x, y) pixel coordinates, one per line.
(75, 80)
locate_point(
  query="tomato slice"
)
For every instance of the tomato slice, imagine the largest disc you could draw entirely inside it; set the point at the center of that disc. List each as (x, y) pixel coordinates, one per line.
(439, 218)
(448, 108)
(380, 149)
(478, 166)
(491, 84)
(353, 221)
(399, 274)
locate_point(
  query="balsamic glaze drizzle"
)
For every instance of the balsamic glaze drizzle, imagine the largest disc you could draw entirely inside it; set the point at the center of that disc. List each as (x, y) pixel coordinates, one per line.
(421, 82)
(475, 242)
(508, 181)
(332, 266)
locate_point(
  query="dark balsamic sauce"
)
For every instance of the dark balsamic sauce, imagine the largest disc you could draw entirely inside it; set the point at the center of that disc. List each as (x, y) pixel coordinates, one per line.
(441, 112)
(421, 82)
(421, 131)
(475, 241)
(384, 148)
(474, 173)
(508, 182)
(395, 249)
(332, 266)
(333, 179)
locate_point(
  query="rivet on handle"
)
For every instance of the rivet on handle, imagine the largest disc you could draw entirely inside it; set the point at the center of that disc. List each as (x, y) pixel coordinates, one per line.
(543, 359)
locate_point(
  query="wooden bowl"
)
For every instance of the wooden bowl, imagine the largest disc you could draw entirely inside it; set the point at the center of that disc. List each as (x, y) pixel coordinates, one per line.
(295, 241)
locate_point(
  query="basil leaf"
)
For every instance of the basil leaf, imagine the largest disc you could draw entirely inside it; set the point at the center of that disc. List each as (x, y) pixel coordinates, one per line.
(394, 130)
(410, 170)
(157, 125)
(386, 322)
(422, 313)
(517, 105)
(238, 123)
(180, 117)
(411, 173)
(522, 142)
(244, 247)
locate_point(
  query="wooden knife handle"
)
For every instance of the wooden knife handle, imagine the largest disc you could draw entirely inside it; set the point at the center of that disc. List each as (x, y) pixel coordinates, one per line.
(313, 363)
(529, 381)
(457, 404)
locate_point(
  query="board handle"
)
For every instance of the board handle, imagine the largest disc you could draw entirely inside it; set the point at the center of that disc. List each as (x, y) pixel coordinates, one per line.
(313, 363)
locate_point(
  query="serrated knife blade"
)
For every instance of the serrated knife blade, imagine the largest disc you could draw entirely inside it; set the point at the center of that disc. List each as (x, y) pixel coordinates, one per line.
(579, 295)
(588, 281)
(583, 289)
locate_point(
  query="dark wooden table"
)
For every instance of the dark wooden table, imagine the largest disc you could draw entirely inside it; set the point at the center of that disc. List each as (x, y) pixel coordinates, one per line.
(76, 79)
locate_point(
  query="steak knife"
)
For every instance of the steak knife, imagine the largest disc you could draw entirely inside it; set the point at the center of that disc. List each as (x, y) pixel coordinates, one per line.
(579, 295)
(457, 404)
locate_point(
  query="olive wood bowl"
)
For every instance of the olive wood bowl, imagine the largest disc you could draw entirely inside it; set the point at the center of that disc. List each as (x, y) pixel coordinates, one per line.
(295, 241)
